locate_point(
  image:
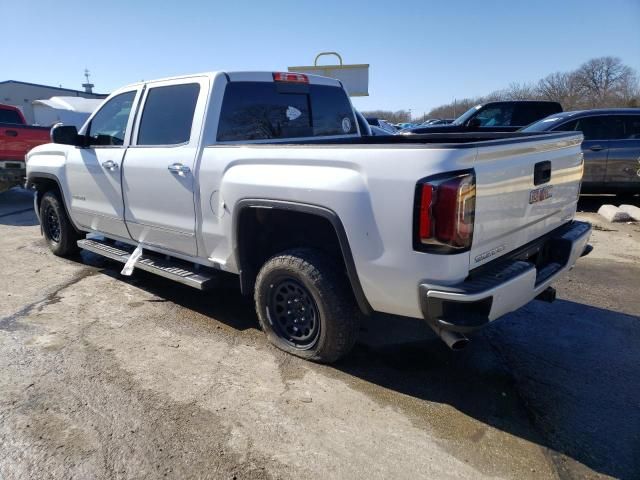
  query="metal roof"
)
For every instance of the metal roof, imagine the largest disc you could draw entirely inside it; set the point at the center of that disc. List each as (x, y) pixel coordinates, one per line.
(62, 89)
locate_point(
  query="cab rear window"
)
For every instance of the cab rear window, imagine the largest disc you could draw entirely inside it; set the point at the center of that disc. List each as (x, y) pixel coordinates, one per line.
(10, 116)
(273, 110)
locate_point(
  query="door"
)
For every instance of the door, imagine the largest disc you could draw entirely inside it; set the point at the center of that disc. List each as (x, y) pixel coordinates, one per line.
(623, 162)
(158, 173)
(11, 125)
(594, 147)
(93, 172)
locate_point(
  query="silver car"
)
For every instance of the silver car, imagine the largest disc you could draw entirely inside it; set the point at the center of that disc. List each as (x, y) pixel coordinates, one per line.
(611, 146)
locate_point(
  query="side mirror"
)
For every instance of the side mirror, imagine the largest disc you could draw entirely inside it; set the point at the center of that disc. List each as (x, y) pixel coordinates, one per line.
(474, 123)
(65, 134)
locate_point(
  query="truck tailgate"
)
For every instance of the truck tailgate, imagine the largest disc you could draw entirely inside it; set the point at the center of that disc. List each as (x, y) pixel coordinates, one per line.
(514, 206)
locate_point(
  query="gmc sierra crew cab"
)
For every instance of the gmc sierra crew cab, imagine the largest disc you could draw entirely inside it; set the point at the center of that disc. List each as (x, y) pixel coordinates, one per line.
(16, 139)
(265, 175)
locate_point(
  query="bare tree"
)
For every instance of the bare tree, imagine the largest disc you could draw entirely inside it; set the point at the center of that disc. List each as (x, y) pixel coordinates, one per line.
(598, 83)
(399, 116)
(519, 91)
(455, 109)
(605, 81)
(560, 87)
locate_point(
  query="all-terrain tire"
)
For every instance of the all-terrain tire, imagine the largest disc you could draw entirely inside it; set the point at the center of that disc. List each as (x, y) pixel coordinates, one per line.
(305, 305)
(58, 231)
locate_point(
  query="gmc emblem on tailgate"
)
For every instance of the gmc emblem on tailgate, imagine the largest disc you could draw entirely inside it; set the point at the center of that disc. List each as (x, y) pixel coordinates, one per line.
(540, 194)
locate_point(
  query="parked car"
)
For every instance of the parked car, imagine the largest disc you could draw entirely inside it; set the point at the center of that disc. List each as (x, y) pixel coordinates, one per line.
(443, 121)
(611, 146)
(505, 116)
(16, 139)
(265, 175)
(380, 123)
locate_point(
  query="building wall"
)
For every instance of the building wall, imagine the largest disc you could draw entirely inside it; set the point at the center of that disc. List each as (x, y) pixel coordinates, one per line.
(22, 95)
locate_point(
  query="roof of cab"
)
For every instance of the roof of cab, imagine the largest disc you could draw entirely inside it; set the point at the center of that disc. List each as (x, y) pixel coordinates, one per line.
(238, 76)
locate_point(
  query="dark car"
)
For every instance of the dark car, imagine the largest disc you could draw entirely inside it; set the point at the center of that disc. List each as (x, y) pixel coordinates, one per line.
(505, 116)
(611, 146)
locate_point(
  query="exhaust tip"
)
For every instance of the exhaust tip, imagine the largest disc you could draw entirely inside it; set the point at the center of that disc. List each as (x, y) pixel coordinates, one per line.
(455, 341)
(547, 295)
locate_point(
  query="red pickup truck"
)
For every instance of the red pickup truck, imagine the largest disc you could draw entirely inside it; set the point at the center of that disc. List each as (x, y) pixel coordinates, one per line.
(16, 139)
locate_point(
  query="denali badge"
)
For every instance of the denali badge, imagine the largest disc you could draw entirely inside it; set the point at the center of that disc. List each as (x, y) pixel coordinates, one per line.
(540, 194)
(490, 253)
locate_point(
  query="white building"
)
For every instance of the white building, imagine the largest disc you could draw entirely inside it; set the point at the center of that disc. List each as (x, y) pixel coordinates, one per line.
(23, 94)
(68, 110)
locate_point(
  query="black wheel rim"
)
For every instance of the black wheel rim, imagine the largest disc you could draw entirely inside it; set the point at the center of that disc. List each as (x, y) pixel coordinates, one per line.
(294, 314)
(51, 223)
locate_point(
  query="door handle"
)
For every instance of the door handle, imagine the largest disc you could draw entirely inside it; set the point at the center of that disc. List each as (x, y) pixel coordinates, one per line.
(178, 169)
(596, 148)
(11, 133)
(110, 165)
(542, 172)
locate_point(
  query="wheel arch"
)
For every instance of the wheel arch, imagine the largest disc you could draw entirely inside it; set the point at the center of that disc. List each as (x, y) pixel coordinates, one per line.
(242, 244)
(44, 182)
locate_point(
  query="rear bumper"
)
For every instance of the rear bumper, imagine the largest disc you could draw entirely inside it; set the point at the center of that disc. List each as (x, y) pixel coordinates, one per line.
(504, 285)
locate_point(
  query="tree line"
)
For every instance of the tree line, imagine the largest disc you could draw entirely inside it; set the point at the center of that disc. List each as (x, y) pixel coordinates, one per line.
(603, 82)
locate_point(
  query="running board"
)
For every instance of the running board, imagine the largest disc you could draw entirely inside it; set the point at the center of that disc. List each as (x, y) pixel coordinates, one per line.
(173, 269)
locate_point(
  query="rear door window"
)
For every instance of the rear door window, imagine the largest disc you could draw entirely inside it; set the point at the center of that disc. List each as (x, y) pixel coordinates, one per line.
(167, 116)
(632, 127)
(270, 110)
(527, 113)
(599, 127)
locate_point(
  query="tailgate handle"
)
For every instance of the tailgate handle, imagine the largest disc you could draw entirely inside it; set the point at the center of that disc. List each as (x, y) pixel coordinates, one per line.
(542, 172)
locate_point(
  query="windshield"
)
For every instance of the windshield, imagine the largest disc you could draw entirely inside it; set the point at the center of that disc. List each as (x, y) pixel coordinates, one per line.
(466, 115)
(544, 124)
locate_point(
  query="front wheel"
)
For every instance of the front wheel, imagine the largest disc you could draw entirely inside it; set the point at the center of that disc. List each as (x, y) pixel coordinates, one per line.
(58, 231)
(305, 305)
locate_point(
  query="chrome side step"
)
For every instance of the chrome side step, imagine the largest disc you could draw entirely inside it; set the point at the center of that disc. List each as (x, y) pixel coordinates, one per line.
(173, 269)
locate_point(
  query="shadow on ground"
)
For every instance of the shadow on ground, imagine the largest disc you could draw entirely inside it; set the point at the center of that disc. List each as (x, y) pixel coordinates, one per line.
(16, 208)
(565, 376)
(575, 369)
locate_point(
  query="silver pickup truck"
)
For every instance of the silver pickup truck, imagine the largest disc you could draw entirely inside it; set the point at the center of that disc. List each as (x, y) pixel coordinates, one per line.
(266, 175)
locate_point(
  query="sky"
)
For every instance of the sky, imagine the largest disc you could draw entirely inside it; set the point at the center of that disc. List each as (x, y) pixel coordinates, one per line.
(421, 53)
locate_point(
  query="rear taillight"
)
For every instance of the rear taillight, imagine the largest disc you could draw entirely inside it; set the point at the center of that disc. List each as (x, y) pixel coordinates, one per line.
(445, 210)
(290, 77)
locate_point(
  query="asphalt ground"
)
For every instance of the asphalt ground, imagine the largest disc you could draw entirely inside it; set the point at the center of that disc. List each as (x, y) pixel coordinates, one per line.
(104, 376)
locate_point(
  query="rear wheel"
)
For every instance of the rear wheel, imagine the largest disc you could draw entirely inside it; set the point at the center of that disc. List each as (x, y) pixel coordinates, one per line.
(58, 231)
(305, 305)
